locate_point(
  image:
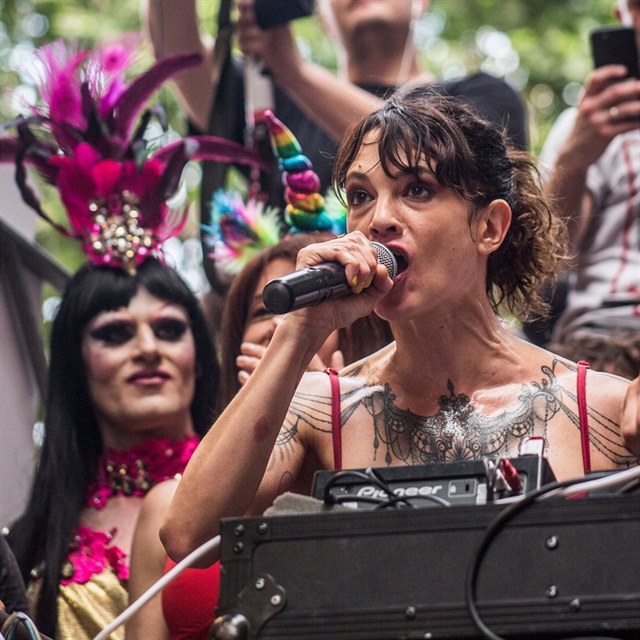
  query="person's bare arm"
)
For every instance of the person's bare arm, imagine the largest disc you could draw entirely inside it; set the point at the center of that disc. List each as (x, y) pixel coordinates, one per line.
(225, 472)
(332, 102)
(148, 559)
(172, 27)
(608, 108)
(236, 469)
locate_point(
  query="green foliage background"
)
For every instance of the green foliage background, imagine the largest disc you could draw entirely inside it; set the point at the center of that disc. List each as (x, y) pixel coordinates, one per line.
(550, 38)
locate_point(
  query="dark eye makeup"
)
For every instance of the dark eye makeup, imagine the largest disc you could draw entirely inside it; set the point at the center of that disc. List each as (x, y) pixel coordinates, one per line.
(118, 332)
(170, 329)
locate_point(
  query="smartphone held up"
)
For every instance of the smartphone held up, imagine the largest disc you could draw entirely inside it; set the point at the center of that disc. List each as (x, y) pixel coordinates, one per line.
(615, 45)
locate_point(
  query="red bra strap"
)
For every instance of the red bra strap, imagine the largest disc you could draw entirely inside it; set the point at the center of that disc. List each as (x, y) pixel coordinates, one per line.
(336, 433)
(582, 414)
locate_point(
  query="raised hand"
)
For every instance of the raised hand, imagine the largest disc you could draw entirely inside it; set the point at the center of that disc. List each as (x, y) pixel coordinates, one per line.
(609, 106)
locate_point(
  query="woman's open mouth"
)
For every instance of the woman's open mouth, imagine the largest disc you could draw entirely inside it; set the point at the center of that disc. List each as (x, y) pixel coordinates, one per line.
(401, 261)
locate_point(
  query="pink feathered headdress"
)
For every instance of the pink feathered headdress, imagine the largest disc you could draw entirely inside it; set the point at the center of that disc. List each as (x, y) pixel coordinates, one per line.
(87, 139)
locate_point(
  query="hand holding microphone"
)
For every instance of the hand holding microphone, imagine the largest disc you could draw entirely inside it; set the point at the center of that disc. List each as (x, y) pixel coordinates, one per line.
(311, 286)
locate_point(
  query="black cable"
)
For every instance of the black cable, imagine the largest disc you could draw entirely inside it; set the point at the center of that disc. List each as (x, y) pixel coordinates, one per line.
(382, 503)
(409, 499)
(369, 476)
(349, 498)
(490, 534)
(329, 498)
(632, 485)
(490, 477)
(379, 481)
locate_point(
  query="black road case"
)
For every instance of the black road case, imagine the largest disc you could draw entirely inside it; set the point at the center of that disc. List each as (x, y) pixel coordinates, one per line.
(560, 568)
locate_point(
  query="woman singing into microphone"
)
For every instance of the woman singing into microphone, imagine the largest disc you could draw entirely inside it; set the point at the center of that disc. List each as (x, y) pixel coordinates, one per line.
(472, 235)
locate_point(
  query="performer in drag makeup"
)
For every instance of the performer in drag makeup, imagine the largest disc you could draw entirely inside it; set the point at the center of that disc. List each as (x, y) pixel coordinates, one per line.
(133, 373)
(465, 216)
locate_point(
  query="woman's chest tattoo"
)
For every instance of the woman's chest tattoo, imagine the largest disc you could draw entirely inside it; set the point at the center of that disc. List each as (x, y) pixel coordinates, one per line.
(458, 429)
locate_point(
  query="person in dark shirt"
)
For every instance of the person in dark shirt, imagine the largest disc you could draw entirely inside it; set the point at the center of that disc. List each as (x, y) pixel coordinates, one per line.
(13, 598)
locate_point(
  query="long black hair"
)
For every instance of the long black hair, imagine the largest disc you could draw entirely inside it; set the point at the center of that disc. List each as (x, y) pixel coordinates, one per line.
(72, 441)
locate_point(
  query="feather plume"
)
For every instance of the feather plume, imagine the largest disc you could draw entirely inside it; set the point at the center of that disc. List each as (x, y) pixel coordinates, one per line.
(82, 137)
(239, 230)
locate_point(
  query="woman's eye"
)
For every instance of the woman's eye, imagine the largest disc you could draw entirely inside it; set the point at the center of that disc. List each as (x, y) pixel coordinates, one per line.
(260, 313)
(114, 333)
(170, 329)
(356, 197)
(419, 190)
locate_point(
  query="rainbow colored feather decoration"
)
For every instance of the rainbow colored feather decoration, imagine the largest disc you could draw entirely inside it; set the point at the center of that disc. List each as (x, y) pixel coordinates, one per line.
(239, 230)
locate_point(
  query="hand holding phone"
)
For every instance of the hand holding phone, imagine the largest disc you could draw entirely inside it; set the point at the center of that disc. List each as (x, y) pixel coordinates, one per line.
(615, 45)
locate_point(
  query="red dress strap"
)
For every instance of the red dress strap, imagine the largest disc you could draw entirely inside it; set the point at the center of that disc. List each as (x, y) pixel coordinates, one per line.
(583, 415)
(336, 431)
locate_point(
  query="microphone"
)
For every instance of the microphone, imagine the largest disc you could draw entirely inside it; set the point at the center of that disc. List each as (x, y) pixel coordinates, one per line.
(311, 286)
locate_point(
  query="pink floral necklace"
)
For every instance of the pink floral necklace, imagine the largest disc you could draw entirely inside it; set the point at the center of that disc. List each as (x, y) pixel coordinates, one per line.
(121, 473)
(134, 471)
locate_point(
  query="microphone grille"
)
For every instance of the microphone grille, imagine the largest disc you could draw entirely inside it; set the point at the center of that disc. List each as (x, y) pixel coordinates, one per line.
(386, 258)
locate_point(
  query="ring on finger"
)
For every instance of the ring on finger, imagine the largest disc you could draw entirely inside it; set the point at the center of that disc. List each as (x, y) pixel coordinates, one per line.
(614, 112)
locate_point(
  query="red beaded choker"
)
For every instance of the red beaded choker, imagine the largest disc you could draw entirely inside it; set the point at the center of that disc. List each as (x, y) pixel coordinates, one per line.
(134, 471)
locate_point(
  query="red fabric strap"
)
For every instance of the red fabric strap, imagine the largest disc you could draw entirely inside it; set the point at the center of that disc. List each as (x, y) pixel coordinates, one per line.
(336, 433)
(582, 414)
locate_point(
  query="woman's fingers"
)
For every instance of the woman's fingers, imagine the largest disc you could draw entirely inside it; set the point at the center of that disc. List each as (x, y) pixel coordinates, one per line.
(247, 361)
(316, 364)
(353, 251)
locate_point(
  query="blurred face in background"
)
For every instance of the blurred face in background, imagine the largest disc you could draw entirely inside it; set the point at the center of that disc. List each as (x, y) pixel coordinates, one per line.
(350, 19)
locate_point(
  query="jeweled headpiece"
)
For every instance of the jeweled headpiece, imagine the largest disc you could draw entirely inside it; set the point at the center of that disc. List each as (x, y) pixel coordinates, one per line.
(87, 139)
(240, 229)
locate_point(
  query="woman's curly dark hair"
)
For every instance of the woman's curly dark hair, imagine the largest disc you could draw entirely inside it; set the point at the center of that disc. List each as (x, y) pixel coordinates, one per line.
(471, 156)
